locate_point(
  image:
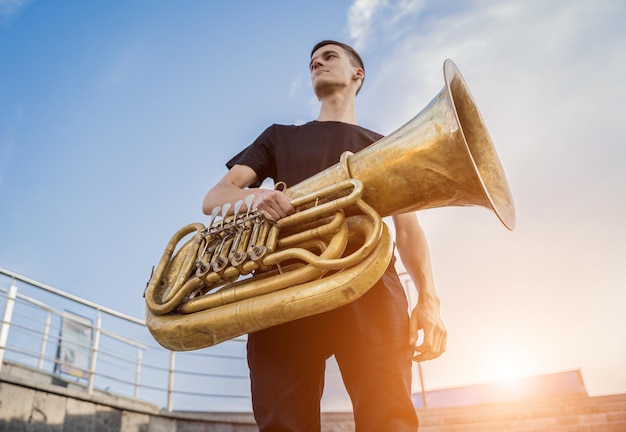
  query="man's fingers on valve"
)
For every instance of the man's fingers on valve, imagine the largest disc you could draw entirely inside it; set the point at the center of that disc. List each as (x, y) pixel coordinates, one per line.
(282, 206)
(270, 214)
(274, 204)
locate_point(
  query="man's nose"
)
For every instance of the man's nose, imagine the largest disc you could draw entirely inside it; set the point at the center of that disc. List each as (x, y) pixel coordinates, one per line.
(316, 64)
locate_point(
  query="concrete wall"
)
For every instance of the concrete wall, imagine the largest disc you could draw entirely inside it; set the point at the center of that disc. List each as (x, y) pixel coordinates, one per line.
(34, 401)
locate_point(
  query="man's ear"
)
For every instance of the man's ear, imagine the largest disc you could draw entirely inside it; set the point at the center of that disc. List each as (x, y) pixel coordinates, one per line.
(358, 74)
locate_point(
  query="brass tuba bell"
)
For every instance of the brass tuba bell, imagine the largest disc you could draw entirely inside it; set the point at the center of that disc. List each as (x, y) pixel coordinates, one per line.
(243, 273)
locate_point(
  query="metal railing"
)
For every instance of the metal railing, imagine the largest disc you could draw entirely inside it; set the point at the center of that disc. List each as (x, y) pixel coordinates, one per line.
(97, 348)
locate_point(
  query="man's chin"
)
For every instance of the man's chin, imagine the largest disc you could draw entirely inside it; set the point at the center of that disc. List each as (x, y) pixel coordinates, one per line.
(323, 87)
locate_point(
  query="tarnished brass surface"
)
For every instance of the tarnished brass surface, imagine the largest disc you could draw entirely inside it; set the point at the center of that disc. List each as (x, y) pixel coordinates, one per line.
(241, 273)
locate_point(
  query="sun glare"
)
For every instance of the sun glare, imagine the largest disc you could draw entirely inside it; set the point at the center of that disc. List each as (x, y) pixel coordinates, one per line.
(507, 363)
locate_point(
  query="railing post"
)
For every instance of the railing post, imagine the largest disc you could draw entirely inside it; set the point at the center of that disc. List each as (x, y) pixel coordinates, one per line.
(6, 319)
(44, 341)
(170, 384)
(94, 352)
(412, 298)
(138, 372)
(421, 375)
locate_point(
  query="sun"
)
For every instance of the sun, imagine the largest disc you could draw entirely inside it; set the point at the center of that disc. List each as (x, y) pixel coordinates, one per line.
(507, 362)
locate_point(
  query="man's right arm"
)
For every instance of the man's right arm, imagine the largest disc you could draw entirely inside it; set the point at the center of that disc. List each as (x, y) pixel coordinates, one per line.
(233, 187)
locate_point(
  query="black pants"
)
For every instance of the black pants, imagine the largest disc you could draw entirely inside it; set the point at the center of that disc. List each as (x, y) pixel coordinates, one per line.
(369, 339)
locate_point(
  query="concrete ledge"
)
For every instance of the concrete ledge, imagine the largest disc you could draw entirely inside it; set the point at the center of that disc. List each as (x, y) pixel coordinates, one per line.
(29, 401)
(9, 375)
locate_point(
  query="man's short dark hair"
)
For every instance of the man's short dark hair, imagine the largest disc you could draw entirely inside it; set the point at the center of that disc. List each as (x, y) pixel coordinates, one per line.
(354, 56)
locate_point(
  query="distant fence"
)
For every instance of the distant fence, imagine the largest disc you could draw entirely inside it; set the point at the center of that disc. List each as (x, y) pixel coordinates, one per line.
(98, 348)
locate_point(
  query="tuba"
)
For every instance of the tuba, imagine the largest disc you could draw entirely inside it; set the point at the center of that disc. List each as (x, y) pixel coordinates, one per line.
(242, 273)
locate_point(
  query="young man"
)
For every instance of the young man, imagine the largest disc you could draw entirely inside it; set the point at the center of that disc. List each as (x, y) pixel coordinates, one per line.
(372, 338)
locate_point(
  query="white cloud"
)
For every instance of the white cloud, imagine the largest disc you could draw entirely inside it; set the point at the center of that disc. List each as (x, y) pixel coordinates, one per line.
(530, 52)
(296, 84)
(403, 9)
(360, 17)
(9, 8)
(367, 19)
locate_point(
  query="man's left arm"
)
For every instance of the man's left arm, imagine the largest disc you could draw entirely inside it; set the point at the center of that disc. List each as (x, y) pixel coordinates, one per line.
(413, 250)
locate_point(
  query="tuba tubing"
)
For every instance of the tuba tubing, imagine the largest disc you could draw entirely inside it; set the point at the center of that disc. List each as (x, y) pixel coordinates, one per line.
(185, 332)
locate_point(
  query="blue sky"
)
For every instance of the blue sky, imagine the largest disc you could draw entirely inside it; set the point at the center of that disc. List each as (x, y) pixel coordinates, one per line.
(117, 117)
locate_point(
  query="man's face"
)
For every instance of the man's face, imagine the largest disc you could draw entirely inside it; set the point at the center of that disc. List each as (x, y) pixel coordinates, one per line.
(331, 69)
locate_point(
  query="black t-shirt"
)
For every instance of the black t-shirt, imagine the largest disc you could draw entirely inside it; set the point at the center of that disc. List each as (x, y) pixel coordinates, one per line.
(294, 153)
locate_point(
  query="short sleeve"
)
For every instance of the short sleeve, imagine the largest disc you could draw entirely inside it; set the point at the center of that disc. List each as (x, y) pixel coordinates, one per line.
(260, 156)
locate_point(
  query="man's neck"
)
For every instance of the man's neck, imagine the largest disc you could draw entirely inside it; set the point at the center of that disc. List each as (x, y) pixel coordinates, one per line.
(338, 107)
